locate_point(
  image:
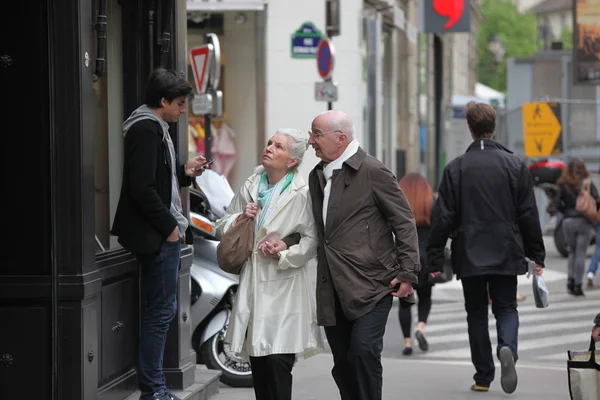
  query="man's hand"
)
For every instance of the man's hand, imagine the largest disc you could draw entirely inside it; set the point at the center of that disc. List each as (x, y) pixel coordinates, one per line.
(538, 269)
(174, 236)
(596, 333)
(272, 248)
(195, 166)
(404, 290)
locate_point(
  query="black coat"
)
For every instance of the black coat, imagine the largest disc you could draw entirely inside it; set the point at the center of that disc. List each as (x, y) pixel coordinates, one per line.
(486, 205)
(143, 219)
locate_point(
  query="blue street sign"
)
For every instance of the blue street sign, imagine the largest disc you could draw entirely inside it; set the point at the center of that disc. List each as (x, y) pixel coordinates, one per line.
(305, 41)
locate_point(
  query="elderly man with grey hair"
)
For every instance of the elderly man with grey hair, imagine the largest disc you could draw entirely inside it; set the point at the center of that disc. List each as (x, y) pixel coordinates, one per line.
(368, 252)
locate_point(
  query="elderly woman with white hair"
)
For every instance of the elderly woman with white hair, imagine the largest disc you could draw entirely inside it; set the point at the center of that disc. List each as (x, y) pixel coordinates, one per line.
(274, 322)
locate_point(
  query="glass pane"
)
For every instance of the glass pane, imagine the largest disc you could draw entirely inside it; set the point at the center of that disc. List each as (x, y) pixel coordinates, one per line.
(108, 134)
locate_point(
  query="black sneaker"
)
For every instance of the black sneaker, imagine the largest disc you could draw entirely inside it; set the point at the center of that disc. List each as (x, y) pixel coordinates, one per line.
(423, 345)
(171, 396)
(509, 378)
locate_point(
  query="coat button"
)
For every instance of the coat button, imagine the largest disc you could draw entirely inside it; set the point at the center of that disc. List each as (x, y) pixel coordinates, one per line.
(323, 279)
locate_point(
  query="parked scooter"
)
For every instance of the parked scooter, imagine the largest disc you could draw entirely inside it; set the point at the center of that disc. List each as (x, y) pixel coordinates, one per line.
(213, 290)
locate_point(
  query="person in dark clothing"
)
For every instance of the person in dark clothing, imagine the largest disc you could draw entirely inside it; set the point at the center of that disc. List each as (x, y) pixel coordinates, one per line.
(486, 205)
(150, 220)
(596, 329)
(578, 230)
(420, 197)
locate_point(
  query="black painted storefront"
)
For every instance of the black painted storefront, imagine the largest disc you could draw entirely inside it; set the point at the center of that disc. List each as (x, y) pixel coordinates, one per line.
(69, 318)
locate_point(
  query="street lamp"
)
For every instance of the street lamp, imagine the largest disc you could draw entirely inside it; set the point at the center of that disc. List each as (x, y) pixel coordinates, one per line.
(496, 47)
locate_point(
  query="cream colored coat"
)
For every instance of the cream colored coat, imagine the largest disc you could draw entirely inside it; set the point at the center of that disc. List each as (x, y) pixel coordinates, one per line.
(274, 311)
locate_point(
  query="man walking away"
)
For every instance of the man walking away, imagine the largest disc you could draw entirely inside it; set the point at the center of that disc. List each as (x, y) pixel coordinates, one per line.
(368, 251)
(149, 220)
(487, 207)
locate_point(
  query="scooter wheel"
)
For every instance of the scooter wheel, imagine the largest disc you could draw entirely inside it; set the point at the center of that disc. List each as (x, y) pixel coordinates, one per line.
(236, 371)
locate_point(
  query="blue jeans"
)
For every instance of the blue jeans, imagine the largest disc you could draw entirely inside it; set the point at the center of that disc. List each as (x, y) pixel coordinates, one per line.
(596, 257)
(160, 273)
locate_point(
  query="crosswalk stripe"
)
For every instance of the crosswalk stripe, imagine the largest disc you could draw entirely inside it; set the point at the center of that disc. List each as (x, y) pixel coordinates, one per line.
(462, 323)
(525, 345)
(527, 330)
(591, 304)
(554, 299)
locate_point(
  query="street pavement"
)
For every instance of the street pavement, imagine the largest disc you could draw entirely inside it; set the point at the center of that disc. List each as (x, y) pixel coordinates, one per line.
(545, 335)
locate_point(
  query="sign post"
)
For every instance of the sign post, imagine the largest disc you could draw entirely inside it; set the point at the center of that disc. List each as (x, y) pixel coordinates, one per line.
(206, 67)
(542, 129)
(326, 90)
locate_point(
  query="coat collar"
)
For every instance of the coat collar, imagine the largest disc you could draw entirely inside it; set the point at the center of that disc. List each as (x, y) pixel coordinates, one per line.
(353, 162)
(486, 144)
(297, 183)
(339, 183)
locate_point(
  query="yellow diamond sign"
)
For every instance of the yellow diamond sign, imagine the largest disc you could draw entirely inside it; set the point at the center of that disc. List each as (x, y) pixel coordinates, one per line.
(542, 129)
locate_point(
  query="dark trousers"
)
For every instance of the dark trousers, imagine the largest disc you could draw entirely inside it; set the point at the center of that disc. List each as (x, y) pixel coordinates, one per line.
(423, 309)
(160, 273)
(356, 346)
(272, 376)
(502, 289)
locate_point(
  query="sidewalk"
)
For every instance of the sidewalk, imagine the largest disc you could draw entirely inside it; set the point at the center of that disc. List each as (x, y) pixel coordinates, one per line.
(422, 380)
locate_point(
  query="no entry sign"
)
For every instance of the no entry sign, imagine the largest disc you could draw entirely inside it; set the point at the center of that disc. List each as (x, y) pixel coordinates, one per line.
(325, 58)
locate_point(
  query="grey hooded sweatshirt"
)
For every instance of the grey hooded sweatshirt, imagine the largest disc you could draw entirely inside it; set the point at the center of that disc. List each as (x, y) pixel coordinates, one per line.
(145, 112)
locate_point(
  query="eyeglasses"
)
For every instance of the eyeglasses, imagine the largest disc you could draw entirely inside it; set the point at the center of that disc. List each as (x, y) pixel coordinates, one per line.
(316, 135)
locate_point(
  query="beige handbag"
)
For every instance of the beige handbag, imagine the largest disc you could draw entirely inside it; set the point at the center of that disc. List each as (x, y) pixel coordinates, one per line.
(586, 204)
(236, 246)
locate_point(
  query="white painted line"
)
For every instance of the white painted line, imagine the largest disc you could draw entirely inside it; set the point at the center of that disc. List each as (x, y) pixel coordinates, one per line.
(549, 276)
(570, 342)
(537, 328)
(470, 364)
(534, 318)
(591, 304)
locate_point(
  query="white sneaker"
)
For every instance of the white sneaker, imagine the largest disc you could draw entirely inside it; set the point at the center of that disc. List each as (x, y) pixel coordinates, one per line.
(590, 280)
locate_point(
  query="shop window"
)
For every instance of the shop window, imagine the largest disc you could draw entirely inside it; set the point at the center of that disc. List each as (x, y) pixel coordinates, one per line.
(108, 133)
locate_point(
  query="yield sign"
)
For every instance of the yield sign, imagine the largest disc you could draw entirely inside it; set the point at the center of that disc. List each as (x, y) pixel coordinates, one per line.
(542, 129)
(200, 57)
(325, 57)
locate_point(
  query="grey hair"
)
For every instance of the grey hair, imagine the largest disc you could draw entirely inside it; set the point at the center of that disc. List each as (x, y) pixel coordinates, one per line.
(299, 143)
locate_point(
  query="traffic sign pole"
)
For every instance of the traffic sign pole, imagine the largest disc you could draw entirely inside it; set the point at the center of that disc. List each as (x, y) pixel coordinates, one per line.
(326, 90)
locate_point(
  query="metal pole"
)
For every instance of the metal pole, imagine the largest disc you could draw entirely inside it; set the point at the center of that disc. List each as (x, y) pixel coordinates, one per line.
(207, 137)
(207, 118)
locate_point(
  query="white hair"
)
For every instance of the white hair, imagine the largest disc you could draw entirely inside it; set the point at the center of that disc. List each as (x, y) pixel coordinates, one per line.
(298, 143)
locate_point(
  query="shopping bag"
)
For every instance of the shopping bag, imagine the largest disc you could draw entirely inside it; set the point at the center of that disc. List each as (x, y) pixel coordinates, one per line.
(540, 290)
(236, 246)
(584, 374)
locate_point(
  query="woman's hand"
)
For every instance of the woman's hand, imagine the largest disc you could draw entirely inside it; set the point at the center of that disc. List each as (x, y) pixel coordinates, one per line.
(250, 210)
(272, 248)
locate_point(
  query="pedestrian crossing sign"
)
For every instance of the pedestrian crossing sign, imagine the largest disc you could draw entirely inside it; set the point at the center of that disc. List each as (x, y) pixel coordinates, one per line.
(542, 129)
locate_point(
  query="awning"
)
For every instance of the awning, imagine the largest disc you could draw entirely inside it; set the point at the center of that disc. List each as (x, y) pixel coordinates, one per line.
(226, 5)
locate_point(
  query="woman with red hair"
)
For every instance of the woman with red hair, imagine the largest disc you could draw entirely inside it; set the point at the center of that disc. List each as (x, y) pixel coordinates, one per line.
(421, 198)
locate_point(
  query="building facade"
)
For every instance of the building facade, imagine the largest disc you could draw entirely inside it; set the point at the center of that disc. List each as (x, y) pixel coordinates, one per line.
(69, 295)
(269, 83)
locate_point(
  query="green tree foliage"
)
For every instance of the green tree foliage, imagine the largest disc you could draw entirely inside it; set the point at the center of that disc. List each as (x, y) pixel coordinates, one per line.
(517, 32)
(566, 38)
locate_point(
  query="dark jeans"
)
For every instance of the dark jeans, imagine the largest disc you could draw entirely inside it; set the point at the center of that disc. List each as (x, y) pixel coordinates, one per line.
(502, 290)
(160, 273)
(272, 376)
(423, 308)
(356, 346)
